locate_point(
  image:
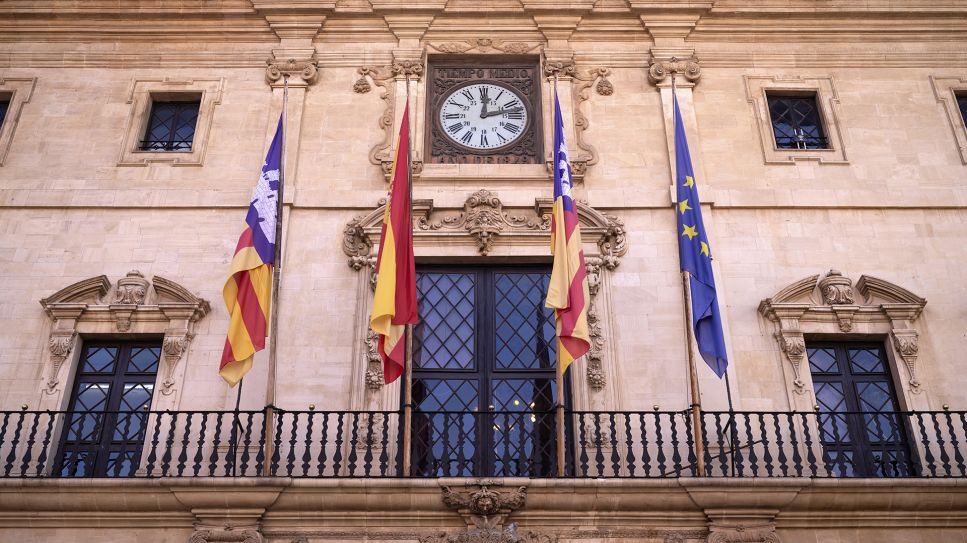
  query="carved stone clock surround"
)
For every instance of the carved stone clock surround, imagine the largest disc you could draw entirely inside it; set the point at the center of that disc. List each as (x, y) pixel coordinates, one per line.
(482, 227)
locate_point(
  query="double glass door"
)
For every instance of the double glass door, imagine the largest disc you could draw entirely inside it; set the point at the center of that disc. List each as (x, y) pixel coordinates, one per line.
(484, 357)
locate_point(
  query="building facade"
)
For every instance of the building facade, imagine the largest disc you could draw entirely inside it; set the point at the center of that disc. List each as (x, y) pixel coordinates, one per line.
(830, 150)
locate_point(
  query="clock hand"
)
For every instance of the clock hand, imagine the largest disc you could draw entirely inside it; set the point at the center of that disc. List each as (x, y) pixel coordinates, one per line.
(485, 100)
(501, 112)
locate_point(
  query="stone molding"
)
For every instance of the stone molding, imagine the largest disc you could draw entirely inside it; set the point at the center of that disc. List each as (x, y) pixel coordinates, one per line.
(946, 90)
(827, 100)
(18, 90)
(815, 305)
(484, 221)
(89, 308)
(142, 92)
(485, 46)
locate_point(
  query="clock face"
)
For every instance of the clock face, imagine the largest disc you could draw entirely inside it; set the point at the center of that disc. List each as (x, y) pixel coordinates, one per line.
(483, 116)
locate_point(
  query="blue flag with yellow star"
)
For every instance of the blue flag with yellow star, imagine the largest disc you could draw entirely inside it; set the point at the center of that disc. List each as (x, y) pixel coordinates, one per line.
(696, 257)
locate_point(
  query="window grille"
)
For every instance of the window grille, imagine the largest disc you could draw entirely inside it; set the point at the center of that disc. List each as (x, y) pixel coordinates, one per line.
(171, 126)
(796, 122)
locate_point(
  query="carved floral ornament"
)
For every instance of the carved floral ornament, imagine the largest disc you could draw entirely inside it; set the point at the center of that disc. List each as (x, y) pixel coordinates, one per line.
(133, 305)
(832, 304)
(485, 221)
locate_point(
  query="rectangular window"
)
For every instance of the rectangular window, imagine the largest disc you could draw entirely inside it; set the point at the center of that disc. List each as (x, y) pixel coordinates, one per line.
(962, 103)
(171, 126)
(796, 122)
(108, 412)
(862, 432)
(4, 106)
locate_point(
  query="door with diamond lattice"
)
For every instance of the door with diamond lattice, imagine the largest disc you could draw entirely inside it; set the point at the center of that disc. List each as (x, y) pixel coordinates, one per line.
(484, 358)
(862, 432)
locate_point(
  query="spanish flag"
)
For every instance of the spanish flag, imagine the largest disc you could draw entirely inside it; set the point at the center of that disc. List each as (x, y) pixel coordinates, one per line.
(248, 290)
(394, 304)
(567, 293)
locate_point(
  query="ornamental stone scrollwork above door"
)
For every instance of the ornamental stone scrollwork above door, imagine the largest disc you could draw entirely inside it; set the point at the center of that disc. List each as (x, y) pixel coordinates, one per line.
(834, 305)
(485, 227)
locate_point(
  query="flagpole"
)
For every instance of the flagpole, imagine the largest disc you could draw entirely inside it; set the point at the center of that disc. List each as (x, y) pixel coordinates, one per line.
(696, 395)
(408, 338)
(559, 378)
(269, 429)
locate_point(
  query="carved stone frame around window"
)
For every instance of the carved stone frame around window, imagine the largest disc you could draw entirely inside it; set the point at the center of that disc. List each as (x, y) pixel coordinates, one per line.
(18, 90)
(485, 229)
(831, 307)
(946, 90)
(141, 94)
(757, 87)
(133, 307)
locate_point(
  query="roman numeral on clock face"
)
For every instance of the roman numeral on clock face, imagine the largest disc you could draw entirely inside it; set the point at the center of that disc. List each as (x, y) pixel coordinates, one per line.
(466, 137)
(454, 128)
(518, 115)
(512, 128)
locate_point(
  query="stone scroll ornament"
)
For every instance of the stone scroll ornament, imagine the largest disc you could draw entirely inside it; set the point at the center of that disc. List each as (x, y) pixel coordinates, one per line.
(381, 154)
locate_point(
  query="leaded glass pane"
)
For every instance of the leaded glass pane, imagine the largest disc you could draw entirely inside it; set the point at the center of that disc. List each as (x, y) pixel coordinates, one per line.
(445, 338)
(865, 361)
(525, 331)
(99, 360)
(796, 122)
(822, 361)
(524, 427)
(144, 360)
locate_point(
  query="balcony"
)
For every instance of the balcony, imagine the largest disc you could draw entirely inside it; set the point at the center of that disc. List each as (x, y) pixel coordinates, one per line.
(630, 445)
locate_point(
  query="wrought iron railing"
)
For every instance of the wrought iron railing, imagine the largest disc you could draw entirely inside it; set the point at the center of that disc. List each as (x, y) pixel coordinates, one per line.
(651, 444)
(165, 145)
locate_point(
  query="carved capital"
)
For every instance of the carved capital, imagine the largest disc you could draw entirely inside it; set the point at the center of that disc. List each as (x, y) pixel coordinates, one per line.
(356, 244)
(662, 68)
(131, 289)
(408, 68)
(559, 68)
(299, 71)
(837, 289)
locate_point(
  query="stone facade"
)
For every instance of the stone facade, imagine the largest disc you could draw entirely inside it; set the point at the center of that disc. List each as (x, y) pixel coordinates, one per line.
(887, 208)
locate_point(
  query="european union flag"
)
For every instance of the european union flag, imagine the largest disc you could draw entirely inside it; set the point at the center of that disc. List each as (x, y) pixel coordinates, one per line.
(696, 258)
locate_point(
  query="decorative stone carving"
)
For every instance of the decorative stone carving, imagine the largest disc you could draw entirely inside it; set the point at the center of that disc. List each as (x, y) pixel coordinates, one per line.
(158, 307)
(303, 69)
(131, 289)
(486, 508)
(60, 344)
(356, 244)
(173, 347)
(743, 534)
(597, 78)
(595, 372)
(374, 371)
(509, 534)
(661, 68)
(407, 68)
(228, 535)
(380, 77)
(907, 344)
(821, 306)
(836, 289)
(485, 45)
(484, 218)
(559, 68)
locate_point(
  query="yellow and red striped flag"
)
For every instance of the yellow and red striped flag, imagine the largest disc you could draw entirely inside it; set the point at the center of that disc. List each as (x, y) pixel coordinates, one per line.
(248, 290)
(394, 304)
(567, 292)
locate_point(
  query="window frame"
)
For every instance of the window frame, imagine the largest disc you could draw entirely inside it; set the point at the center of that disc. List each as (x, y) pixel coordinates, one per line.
(776, 95)
(142, 93)
(947, 91)
(18, 91)
(758, 90)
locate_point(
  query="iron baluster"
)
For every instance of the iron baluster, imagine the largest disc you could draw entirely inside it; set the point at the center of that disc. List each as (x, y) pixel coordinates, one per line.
(246, 443)
(720, 432)
(690, 446)
(766, 454)
(629, 443)
(42, 458)
(337, 454)
(780, 446)
(169, 443)
(613, 442)
(213, 457)
(676, 457)
(810, 457)
(944, 457)
(384, 445)
(659, 443)
(28, 453)
(307, 453)
(959, 457)
(293, 439)
(645, 455)
(928, 455)
(709, 466)
(202, 434)
(582, 444)
(153, 456)
(183, 455)
(12, 457)
(322, 446)
(277, 448)
(598, 444)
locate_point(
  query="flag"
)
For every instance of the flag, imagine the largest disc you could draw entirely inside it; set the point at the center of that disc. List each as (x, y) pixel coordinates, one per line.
(394, 304)
(567, 293)
(248, 290)
(696, 257)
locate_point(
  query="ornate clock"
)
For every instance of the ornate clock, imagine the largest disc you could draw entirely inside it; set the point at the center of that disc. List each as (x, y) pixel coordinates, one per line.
(484, 113)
